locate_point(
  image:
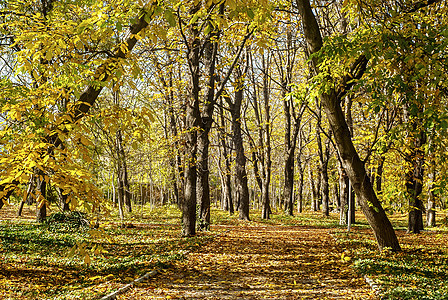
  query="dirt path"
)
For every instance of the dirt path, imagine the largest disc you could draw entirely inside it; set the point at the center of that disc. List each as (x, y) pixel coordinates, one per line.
(268, 262)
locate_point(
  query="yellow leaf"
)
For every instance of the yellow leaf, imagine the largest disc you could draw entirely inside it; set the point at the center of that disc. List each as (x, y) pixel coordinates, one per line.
(87, 260)
(94, 278)
(85, 141)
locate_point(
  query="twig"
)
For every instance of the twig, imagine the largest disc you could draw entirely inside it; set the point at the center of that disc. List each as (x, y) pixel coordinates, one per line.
(128, 286)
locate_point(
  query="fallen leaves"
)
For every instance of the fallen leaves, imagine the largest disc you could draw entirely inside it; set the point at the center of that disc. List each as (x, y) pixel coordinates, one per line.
(272, 262)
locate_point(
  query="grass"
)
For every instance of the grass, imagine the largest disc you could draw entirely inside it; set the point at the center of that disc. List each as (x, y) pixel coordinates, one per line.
(54, 261)
(57, 261)
(419, 271)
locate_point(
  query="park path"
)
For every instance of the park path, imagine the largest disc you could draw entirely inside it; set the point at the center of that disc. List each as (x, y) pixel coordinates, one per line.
(260, 262)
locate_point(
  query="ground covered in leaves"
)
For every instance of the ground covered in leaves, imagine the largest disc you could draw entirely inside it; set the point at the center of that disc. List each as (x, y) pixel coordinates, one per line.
(301, 257)
(260, 261)
(419, 271)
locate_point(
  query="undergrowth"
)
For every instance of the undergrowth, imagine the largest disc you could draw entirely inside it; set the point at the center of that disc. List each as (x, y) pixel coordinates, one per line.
(66, 258)
(419, 271)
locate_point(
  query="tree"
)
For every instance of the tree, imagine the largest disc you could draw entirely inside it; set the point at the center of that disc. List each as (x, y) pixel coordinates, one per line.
(354, 167)
(51, 154)
(242, 189)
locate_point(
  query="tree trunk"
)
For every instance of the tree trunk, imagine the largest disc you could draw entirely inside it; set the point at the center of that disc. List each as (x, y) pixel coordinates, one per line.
(41, 213)
(374, 212)
(337, 198)
(26, 196)
(285, 65)
(430, 211)
(324, 156)
(414, 174)
(193, 121)
(175, 160)
(379, 175)
(62, 199)
(325, 190)
(431, 205)
(266, 209)
(227, 176)
(300, 187)
(122, 175)
(120, 193)
(240, 161)
(344, 183)
(288, 189)
(351, 193)
(314, 191)
(210, 51)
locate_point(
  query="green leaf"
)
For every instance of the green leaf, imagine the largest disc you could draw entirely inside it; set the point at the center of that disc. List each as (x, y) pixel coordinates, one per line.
(194, 18)
(208, 29)
(118, 26)
(169, 16)
(250, 13)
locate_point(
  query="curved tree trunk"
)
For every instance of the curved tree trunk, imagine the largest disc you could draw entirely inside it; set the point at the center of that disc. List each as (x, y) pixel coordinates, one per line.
(374, 212)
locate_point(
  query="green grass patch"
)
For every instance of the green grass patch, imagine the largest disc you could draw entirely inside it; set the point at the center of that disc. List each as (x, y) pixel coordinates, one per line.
(64, 260)
(420, 271)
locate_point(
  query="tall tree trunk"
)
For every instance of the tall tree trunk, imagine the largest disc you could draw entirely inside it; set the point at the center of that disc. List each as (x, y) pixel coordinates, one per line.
(122, 175)
(240, 161)
(285, 65)
(193, 121)
(210, 54)
(374, 212)
(175, 161)
(414, 185)
(266, 209)
(120, 193)
(414, 174)
(324, 156)
(325, 184)
(210, 50)
(300, 187)
(351, 193)
(288, 190)
(203, 189)
(63, 199)
(227, 163)
(336, 197)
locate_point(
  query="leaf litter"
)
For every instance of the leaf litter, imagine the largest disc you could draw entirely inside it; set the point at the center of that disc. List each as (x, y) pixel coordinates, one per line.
(260, 262)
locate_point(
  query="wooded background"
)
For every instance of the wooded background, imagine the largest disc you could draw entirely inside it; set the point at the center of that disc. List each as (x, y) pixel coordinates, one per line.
(291, 105)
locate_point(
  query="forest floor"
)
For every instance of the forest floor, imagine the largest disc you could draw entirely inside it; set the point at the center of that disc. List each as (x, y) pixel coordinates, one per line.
(260, 261)
(307, 256)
